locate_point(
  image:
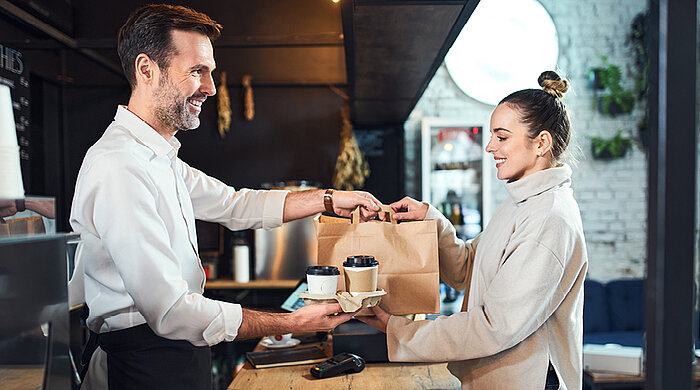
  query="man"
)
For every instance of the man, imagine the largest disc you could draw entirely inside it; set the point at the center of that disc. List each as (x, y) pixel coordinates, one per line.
(135, 205)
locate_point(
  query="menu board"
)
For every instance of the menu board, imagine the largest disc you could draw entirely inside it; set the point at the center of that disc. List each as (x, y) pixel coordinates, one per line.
(15, 74)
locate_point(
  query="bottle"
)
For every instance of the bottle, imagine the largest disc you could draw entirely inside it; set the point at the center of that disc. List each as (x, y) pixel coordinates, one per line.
(456, 217)
(240, 260)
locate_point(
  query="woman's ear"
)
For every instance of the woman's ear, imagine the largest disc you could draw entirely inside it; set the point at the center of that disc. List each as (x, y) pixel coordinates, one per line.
(544, 142)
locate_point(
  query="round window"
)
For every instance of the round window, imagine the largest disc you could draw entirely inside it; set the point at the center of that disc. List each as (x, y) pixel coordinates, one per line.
(504, 47)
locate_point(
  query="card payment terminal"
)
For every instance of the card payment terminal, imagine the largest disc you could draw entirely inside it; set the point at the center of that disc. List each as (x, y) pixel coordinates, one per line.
(339, 364)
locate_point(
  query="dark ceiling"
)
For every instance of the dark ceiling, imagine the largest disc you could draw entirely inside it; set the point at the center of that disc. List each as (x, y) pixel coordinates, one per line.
(382, 53)
(393, 49)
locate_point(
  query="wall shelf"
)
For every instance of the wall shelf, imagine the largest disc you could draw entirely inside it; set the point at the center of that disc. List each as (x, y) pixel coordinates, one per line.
(228, 284)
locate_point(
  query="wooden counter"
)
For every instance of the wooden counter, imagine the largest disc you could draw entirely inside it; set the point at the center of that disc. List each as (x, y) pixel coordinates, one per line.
(24, 377)
(399, 376)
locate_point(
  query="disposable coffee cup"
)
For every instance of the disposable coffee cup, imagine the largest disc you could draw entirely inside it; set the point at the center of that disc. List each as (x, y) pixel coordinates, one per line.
(8, 133)
(360, 274)
(11, 185)
(322, 279)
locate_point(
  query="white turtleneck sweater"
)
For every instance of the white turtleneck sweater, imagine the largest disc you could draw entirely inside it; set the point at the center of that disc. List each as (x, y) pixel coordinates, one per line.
(524, 278)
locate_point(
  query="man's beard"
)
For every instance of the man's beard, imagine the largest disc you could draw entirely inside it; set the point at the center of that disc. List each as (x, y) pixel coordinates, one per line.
(171, 107)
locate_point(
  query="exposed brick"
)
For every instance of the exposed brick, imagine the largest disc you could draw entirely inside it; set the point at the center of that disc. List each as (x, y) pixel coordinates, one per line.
(611, 194)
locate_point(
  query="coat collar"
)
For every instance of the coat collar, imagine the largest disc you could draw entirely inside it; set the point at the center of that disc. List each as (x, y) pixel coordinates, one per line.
(539, 182)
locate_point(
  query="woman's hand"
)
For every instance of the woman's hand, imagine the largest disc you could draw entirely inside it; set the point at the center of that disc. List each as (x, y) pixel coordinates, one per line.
(379, 321)
(409, 209)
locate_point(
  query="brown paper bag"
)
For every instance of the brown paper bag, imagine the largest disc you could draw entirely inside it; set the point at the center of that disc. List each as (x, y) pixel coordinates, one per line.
(407, 253)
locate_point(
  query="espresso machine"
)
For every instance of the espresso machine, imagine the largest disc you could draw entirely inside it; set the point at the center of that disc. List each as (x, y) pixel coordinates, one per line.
(283, 253)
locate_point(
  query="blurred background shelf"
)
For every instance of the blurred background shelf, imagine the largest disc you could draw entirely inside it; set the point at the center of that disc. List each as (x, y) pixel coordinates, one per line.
(228, 284)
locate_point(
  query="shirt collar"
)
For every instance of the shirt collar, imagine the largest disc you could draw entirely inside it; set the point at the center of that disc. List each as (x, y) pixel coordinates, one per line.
(146, 134)
(538, 182)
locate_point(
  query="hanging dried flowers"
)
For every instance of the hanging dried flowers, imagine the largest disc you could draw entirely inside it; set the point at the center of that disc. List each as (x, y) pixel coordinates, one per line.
(351, 167)
(223, 105)
(248, 103)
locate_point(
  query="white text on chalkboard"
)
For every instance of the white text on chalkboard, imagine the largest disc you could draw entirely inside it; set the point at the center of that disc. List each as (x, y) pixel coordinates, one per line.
(11, 60)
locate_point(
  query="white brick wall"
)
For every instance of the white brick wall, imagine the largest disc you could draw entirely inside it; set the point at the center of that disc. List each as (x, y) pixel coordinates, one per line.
(611, 194)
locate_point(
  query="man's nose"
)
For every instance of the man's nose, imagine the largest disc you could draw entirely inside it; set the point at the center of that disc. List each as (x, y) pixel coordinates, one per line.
(208, 88)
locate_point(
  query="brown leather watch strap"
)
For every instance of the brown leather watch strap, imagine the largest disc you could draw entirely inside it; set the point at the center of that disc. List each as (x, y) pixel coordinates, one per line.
(328, 200)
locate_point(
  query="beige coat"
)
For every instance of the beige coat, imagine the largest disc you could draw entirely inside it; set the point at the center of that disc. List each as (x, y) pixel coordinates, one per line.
(525, 299)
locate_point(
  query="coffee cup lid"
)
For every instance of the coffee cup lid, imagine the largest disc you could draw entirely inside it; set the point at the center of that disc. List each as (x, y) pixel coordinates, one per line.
(322, 270)
(360, 261)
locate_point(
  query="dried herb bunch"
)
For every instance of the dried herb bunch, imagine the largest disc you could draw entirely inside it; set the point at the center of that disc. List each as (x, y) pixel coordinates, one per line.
(223, 105)
(351, 168)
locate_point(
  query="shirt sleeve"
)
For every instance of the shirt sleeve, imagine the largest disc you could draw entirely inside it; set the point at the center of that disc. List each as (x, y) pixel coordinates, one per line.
(214, 201)
(127, 223)
(454, 253)
(521, 297)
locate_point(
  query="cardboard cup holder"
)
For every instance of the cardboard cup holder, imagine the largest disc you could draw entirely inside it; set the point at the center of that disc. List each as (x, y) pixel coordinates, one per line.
(348, 302)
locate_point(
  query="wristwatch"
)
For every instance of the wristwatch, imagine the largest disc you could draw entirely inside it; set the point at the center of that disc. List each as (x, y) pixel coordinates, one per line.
(19, 205)
(328, 200)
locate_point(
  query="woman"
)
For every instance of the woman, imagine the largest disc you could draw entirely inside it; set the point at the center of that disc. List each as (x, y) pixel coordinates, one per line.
(521, 323)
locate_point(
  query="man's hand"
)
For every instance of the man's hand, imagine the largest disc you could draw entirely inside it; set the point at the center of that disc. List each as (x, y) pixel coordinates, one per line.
(309, 318)
(8, 208)
(409, 209)
(301, 204)
(45, 207)
(345, 202)
(319, 317)
(379, 321)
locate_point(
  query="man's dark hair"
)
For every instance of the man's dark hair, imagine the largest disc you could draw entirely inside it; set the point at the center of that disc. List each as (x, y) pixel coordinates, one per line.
(148, 31)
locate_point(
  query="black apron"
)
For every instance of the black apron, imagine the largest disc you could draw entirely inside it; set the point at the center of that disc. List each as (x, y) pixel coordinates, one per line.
(139, 359)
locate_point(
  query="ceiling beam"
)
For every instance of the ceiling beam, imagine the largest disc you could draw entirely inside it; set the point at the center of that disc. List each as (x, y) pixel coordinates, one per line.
(409, 2)
(47, 29)
(228, 42)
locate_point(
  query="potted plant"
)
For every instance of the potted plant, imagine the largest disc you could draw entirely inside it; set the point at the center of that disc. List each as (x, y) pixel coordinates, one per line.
(607, 148)
(617, 100)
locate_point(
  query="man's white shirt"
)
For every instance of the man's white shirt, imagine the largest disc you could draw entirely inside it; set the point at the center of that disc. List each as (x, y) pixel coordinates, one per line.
(134, 206)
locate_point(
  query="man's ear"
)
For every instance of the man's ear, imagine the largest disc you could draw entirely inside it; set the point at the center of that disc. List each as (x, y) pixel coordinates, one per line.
(145, 69)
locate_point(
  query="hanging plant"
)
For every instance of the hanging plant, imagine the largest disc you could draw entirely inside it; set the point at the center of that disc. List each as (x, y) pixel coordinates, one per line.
(606, 148)
(617, 100)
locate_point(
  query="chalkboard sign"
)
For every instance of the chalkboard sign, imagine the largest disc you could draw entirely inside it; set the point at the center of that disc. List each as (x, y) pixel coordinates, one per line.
(15, 74)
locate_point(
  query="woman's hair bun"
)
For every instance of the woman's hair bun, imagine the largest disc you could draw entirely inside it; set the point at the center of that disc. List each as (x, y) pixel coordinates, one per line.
(552, 84)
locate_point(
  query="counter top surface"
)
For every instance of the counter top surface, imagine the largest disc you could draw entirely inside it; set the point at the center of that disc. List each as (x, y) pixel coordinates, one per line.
(397, 376)
(25, 377)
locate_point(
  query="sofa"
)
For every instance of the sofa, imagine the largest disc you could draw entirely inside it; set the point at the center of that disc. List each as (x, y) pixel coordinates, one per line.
(613, 312)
